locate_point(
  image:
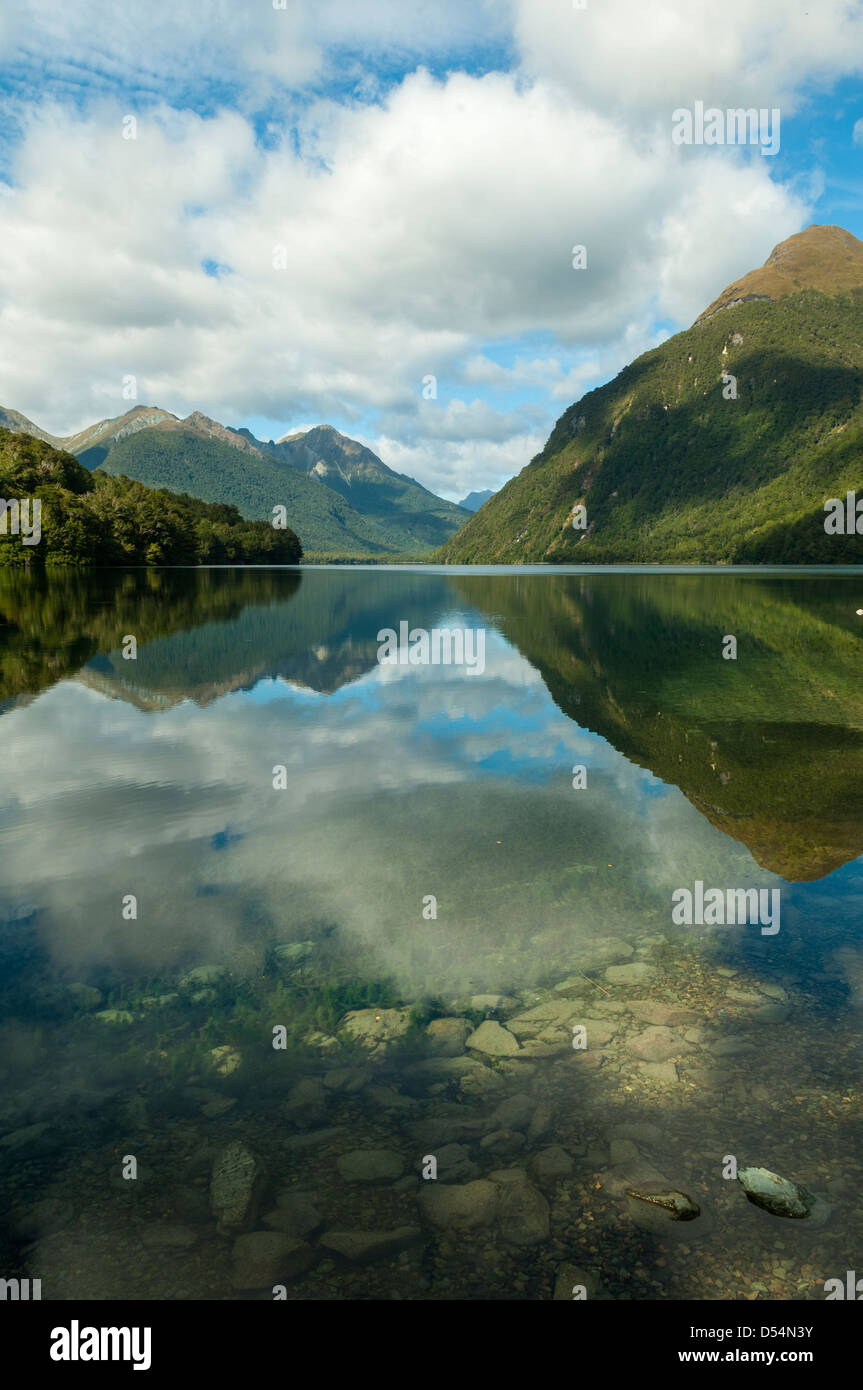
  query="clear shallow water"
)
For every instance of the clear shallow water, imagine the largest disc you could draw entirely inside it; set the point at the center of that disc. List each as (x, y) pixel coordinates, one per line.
(155, 778)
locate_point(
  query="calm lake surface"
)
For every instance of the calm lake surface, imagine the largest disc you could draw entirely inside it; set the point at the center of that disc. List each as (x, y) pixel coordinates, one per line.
(284, 930)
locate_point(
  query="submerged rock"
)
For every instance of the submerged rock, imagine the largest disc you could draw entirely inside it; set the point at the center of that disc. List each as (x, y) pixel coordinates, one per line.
(447, 1036)
(779, 1196)
(770, 1013)
(483, 1084)
(493, 1040)
(622, 1151)
(523, 1213)
(665, 1015)
(307, 1100)
(502, 1141)
(655, 1044)
(445, 1068)
(679, 1205)
(454, 1164)
(636, 973)
(264, 1258)
(462, 1206)
(371, 1166)
(659, 1071)
(364, 1246)
(551, 1164)
(295, 1215)
(541, 1121)
(376, 1029)
(513, 1113)
(235, 1188)
(433, 1133)
(550, 1020)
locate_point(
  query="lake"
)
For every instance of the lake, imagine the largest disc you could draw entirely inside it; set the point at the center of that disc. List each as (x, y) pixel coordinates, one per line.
(354, 978)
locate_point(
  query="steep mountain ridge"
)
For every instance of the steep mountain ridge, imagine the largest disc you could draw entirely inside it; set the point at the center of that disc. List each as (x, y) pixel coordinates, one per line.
(722, 445)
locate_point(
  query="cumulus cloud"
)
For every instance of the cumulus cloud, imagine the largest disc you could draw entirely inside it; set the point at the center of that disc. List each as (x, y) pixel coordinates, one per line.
(641, 63)
(417, 221)
(458, 466)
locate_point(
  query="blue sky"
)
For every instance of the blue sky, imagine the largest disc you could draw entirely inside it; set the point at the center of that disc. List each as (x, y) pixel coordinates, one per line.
(425, 172)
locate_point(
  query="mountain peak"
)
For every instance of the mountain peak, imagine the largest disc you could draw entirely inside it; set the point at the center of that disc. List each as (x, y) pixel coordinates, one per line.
(209, 428)
(313, 431)
(197, 417)
(475, 500)
(822, 258)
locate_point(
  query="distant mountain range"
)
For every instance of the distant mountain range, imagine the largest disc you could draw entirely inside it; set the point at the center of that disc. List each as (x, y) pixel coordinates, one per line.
(475, 500)
(720, 446)
(341, 499)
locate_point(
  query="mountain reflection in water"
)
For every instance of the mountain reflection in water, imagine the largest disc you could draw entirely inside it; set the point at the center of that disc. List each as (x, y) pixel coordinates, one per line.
(404, 787)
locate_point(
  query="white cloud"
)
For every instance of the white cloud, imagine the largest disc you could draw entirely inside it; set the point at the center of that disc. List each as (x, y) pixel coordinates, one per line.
(419, 231)
(547, 373)
(253, 53)
(641, 62)
(457, 420)
(459, 467)
(410, 247)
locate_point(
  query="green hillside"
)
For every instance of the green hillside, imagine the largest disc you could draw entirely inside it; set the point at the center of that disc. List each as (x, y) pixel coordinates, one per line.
(669, 470)
(93, 519)
(368, 485)
(386, 514)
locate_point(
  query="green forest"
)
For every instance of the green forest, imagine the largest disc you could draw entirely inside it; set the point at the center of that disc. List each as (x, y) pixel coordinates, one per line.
(721, 446)
(93, 519)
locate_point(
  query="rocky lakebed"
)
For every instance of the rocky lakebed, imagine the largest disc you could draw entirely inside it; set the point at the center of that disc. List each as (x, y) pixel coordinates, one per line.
(654, 1125)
